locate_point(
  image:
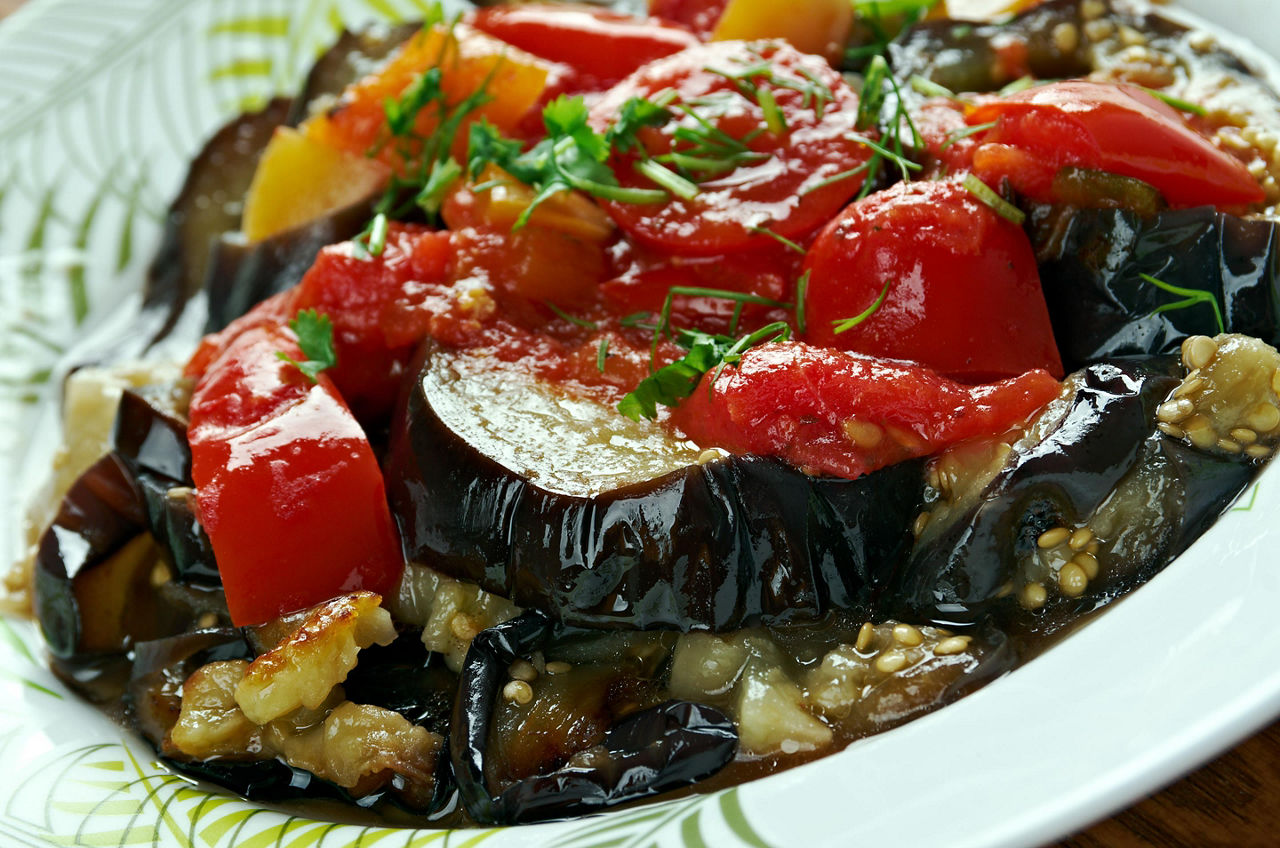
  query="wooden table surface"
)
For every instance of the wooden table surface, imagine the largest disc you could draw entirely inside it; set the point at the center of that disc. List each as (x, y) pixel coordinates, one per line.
(1233, 801)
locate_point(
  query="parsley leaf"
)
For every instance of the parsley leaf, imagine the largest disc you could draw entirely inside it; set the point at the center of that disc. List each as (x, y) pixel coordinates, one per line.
(636, 114)
(315, 339)
(672, 383)
(572, 156)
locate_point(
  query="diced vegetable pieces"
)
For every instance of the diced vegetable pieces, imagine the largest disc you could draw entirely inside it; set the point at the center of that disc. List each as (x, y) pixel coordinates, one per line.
(299, 180)
(470, 62)
(770, 133)
(504, 199)
(288, 488)
(839, 413)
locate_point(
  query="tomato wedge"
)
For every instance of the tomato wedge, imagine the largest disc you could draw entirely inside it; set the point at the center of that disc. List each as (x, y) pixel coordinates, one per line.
(602, 45)
(1114, 127)
(288, 489)
(938, 278)
(781, 177)
(832, 412)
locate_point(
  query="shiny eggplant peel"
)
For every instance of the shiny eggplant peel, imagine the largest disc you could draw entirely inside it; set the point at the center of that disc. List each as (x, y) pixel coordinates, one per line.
(1099, 494)
(648, 752)
(609, 526)
(1092, 267)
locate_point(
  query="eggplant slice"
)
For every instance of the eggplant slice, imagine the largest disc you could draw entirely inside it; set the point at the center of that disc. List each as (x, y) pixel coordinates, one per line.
(1091, 267)
(532, 508)
(965, 56)
(1091, 503)
(649, 752)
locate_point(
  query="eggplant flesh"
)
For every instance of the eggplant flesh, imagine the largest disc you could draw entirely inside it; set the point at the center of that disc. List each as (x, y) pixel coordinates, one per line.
(652, 751)
(1095, 469)
(1091, 262)
(717, 545)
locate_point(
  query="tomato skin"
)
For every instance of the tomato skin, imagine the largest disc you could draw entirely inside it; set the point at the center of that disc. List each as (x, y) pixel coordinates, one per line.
(700, 16)
(288, 489)
(367, 299)
(1113, 127)
(833, 412)
(963, 293)
(784, 193)
(603, 46)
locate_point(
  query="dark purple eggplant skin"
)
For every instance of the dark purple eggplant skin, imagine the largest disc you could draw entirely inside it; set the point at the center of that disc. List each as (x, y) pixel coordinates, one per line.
(151, 443)
(124, 495)
(956, 580)
(731, 543)
(346, 61)
(241, 275)
(1090, 267)
(406, 678)
(99, 515)
(962, 56)
(652, 751)
(207, 206)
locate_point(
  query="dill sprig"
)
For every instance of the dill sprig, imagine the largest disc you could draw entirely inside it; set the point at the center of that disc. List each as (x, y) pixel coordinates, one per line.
(987, 195)
(844, 325)
(879, 88)
(1190, 298)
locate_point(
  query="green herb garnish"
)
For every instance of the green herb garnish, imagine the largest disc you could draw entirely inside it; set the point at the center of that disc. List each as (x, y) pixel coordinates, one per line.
(315, 340)
(602, 354)
(965, 132)
(780, 239)
(1177, 102)
(802, 289)
(673, 383)
(572, 156)
(1191, 297)
(843, 325)
(572, 319)
(1002, 207)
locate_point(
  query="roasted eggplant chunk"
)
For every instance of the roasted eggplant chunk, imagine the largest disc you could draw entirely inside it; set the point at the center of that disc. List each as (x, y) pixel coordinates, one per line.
(966, 57)
(104, 568)
(207, 207)
(1091, 267)
(648, 752)
(604, 527)
(1091, 501)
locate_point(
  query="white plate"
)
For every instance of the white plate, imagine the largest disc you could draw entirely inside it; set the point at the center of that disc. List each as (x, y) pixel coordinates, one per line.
(100, 107)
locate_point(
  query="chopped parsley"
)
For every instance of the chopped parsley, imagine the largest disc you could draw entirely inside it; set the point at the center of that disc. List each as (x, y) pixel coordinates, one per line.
(572, 156)
(315, 339)
(673, 383)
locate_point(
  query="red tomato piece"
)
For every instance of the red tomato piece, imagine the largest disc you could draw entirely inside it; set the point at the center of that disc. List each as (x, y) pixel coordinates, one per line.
(786, 188)
(602, 45)
(832, 412)
(700, 16)
(288, 489)
(643, 286)
(941, 124)
(1114, 127)
(963, 293)
(368, 299)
